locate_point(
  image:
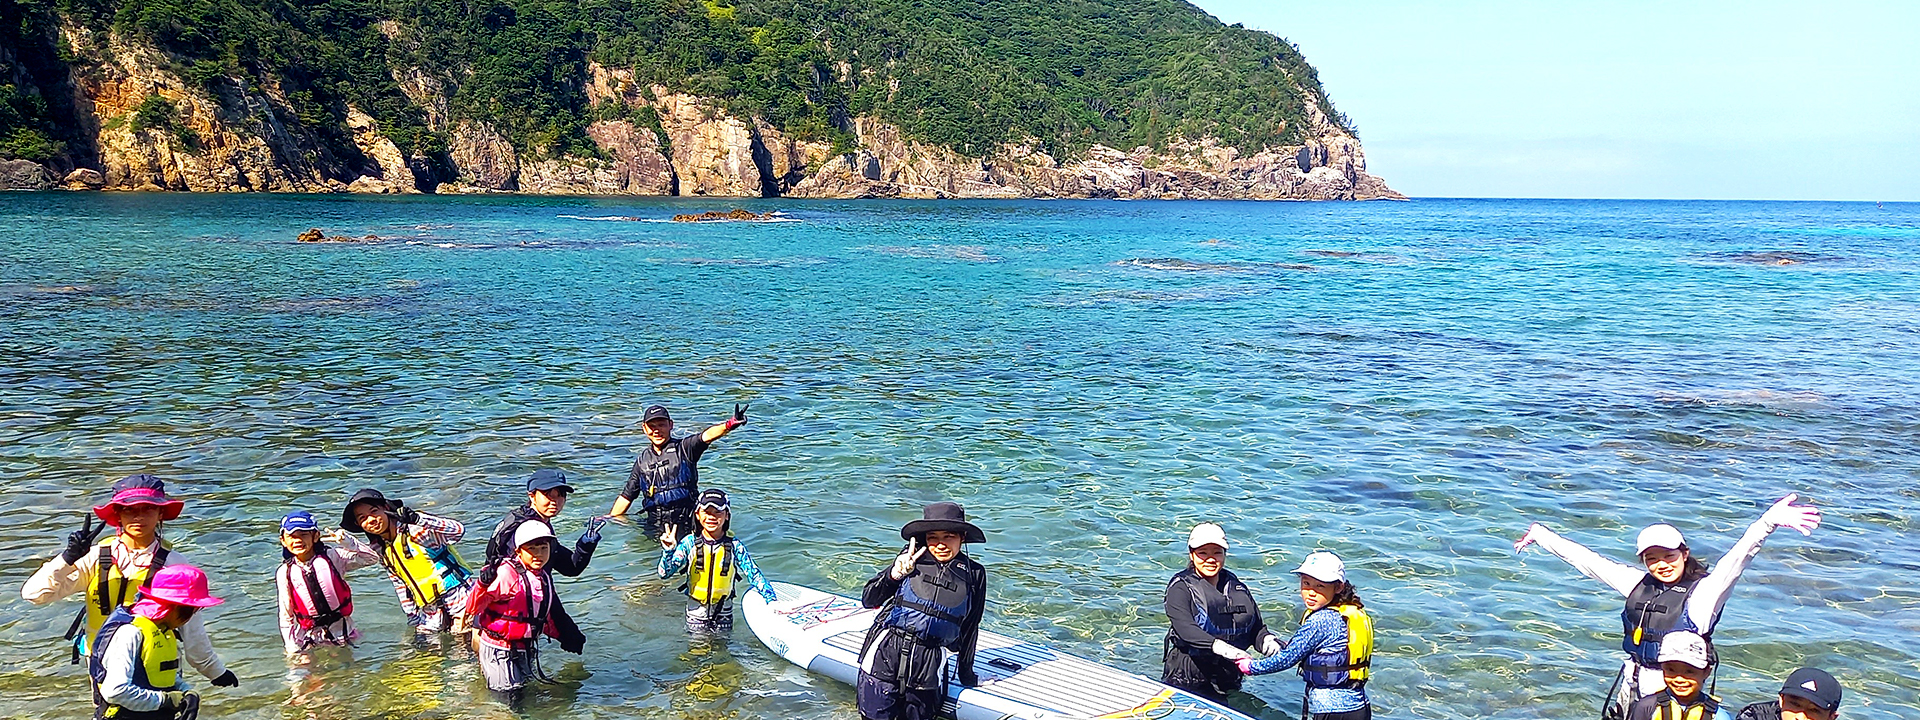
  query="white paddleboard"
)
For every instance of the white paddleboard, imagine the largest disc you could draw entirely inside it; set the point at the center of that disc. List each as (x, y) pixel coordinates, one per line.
(1019, 680)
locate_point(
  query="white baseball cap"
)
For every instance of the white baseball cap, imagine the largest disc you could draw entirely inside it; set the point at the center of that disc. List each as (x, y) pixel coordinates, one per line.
(1658, 536)
(1323, 566)
(1207, 534)
(530, 531)
(1685, 647)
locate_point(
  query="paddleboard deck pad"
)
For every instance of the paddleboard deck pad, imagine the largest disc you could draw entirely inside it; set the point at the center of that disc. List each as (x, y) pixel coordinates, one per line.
(1019, 680)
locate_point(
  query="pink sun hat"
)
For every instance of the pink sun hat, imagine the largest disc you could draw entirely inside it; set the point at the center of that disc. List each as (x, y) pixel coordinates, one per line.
(139, 489)
(180, 585)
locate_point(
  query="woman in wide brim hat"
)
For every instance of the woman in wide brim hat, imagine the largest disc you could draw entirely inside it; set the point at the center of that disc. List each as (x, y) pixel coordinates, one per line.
(138, 490)
(943, 516)
(932, 598)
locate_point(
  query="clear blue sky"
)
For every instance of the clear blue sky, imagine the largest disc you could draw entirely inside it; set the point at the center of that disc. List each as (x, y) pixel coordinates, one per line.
(1816, 100)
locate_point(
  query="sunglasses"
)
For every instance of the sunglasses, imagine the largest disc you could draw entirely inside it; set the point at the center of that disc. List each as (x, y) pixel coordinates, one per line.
(712, 507)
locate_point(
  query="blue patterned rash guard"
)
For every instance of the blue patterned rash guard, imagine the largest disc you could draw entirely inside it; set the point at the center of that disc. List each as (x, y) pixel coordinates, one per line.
(1324, 637)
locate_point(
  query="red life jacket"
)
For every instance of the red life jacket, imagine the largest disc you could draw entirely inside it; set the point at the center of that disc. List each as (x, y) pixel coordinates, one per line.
(512, 617)
(319, 595)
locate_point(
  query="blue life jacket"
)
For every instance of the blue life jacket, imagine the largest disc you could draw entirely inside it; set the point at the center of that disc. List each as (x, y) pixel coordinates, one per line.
(672, 473)
(1653, 610)
(932, 610)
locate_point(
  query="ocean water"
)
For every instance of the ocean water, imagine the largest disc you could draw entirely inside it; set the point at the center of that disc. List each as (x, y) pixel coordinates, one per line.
(1408, 384)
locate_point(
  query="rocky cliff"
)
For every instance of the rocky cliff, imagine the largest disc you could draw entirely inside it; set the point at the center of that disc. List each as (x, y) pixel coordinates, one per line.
(148, 129)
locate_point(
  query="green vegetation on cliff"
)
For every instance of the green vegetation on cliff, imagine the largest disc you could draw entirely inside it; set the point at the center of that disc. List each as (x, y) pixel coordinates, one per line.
(967, 74)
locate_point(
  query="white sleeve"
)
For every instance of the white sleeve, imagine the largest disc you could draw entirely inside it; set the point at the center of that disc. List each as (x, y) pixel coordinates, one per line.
(118, 660)
(287, 625)
(1703, 606)
(352, 553)
(56, 579)
(1617, 575)
(197, 649)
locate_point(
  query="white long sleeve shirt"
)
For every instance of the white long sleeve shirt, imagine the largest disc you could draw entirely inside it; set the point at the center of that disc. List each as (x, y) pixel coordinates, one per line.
(57, 579)
(1703, 603)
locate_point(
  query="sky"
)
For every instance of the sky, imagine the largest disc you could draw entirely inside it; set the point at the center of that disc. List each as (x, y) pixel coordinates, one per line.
(1760, 100)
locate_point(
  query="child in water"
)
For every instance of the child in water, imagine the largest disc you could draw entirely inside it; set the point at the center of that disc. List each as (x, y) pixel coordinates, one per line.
(1333, 647)
(316, 604)
(714, 562)
(520, 605)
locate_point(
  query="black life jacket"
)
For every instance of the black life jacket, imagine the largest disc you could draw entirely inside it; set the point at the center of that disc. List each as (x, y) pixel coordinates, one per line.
(1653, 610)
(932, 607)
(1226, 612)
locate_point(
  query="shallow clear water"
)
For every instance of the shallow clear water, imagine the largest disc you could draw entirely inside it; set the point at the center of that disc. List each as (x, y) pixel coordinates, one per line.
(1407, 384)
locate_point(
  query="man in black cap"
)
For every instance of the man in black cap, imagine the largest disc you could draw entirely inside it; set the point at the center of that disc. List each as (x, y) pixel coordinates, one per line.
(547, 492)
(666, 474)
(1808, 694)
(931, 600)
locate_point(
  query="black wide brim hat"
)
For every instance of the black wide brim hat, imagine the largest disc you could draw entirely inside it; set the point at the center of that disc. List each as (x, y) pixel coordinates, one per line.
(943, 516)
(369, 495)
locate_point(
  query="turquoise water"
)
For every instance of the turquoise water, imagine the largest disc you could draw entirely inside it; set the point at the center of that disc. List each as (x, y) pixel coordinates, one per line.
(1407, 384)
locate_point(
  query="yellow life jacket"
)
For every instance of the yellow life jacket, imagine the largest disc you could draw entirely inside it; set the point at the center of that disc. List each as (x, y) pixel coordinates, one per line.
(710, 580)
(112, 589)
(426, 574)
(1673, 710)
(158, 669)
(1359, 652)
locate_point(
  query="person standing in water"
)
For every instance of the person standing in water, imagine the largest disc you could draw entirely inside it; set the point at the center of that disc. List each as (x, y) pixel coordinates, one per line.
(1674, 592)
(931, 600)
(715, 563)
(135, 663)
(547, 493)
(316, 604)
(1685, 662)
(511, 613)
(1333, 647)
(666, 474)
(1213, 621)
(417, 551)
(112, 572)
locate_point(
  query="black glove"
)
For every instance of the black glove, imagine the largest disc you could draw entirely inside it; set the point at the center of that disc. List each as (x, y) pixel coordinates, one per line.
(176, 699)
(79, 542)
(739, 416)
(969, 680)
(406, 515)
(488, 574)
(226, 679)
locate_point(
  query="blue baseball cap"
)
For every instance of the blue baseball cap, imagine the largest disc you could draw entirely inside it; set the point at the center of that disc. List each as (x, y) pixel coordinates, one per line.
(298, 520)
(547, 479)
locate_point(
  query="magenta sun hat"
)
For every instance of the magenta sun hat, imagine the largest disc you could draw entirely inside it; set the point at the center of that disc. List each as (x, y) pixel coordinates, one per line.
(181, 585)
(142, 489)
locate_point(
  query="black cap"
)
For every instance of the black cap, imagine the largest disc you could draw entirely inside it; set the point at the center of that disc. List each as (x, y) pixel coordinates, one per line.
(362, 496)
(547, 479)
(656, 412)
(713, 498)
(1816, 686)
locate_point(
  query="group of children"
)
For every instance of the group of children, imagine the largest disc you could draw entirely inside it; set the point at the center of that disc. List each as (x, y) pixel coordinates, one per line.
(140, 621)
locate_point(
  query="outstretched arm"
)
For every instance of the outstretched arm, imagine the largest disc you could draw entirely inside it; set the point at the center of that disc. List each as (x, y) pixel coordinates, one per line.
(751, 572)
(1617, 575)
(1711, 594)
(719, 431)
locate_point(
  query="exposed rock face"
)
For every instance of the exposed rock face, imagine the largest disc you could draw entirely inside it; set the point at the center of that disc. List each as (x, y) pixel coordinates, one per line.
(246, 137)
(24, 175)
(386, 172)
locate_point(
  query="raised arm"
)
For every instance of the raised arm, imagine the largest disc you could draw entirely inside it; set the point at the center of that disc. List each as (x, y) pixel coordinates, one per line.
(675, 561)
(1617, 575)
(1711, 594)
(719, 431)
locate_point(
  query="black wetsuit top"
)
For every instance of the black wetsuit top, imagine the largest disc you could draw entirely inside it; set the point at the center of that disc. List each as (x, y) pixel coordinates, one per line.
(668, 475)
